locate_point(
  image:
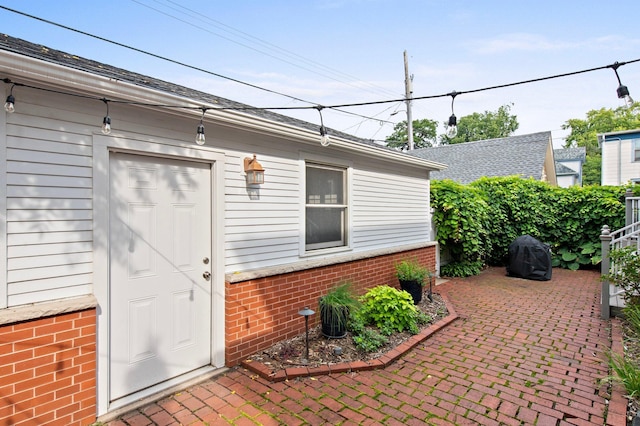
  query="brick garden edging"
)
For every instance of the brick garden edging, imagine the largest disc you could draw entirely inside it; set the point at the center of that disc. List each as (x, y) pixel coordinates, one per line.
(346, 367)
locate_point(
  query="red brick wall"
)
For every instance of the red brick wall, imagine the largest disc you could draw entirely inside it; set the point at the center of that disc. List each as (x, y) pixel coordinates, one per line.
(264, 311)
(48, 370)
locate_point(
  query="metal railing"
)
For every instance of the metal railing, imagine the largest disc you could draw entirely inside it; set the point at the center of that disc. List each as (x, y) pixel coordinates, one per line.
(623, 237)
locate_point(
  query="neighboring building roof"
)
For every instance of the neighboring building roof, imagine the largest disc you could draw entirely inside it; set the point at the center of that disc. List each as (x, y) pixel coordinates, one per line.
(523, 155)
(630, 133)
(570, 154)
(22, 47)
(562, 170)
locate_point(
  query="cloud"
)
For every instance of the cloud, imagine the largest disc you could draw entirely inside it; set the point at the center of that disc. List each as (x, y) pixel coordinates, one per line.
(518, 42)
(527, 42)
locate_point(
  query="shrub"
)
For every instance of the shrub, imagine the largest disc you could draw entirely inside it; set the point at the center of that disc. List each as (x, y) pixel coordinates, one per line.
(626, 274)
(461, 216)
(389, 309)
(477, 222)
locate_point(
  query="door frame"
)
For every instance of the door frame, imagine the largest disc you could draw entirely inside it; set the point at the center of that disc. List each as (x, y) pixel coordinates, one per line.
(103, 146)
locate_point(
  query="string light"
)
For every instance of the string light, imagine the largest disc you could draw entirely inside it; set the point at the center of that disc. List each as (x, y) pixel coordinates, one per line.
(623, 91)
(106, 121)
(10, 104)
(324, 137)
(200, 139)
(452, 127)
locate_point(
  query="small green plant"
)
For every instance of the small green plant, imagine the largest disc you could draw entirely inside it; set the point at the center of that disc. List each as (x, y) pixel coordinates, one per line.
(626, 274)
(461, 269)
(632, 317)
(365, 339)
(625, 372)
(336, 305)
(389, 309)
(411, 270)
(369, 340)
(288, 351)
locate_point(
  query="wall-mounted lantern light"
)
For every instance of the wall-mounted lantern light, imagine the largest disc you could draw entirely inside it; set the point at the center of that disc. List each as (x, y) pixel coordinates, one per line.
(254, 171)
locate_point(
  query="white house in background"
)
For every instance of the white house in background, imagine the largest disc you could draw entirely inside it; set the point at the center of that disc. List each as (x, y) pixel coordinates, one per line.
(569, 162)
(620, 157)
(136, 261)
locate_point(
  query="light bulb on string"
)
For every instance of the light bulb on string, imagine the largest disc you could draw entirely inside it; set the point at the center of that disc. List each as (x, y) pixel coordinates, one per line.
(324, 136)
(10, 104)
(200, 139)
(106, 125)
(622, 90)
(452, 126)
(623, 93)
(106, 121)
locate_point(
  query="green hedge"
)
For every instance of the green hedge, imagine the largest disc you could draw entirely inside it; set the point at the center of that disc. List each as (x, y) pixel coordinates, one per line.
(477, 222)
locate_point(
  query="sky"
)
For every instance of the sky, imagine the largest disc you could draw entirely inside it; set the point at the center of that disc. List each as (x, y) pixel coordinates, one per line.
(336, 52)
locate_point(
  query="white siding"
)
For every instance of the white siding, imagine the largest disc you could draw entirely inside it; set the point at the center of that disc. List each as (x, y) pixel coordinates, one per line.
(573, 165)
(387, 209)
(566, 181)
(49, 217)
(50, 184)
(610, 163)
(262, 228)
(618, 167)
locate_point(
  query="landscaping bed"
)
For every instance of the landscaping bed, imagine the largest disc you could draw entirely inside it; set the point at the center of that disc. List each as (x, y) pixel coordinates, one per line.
(322, 351)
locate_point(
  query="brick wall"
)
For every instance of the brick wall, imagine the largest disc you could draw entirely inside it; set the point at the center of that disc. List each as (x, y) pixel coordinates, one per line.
(48, 370)
(264, 311)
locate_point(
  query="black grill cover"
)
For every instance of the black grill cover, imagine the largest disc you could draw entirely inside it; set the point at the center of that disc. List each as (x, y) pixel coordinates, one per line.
(530, 259)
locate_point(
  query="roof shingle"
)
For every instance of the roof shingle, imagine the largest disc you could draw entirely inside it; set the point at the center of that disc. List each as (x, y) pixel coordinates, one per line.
(515, 155)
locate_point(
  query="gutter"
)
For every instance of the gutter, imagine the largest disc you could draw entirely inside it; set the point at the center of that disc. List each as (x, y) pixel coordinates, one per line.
(29, 70)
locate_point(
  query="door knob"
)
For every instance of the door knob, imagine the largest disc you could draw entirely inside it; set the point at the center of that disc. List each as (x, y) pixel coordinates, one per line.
(206, 275)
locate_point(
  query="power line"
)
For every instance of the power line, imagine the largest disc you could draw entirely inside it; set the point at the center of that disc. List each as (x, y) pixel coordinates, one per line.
(337, 107)
(250, 38)
(135, 49)
(499, 86)
(320, 107)
(164, 58)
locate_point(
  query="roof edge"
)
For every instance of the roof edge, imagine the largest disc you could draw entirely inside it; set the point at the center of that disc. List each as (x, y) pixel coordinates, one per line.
(36, 70)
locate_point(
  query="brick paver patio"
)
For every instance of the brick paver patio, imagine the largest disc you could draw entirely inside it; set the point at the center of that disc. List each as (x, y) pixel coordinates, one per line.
(521, 353)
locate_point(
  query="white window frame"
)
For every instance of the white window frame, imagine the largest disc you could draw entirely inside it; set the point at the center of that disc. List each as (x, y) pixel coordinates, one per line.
(346, 206)
(635, 150)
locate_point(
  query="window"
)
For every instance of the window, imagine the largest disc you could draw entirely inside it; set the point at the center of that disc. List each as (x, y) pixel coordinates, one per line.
(636, 149)
(325, 207)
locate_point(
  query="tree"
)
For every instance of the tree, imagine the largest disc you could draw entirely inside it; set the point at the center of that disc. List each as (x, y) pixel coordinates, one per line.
(585, 133)
(424, 134)
(487, 125)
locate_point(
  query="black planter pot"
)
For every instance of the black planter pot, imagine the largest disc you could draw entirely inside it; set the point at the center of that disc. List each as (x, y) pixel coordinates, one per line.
(334, 322)
(414, 288)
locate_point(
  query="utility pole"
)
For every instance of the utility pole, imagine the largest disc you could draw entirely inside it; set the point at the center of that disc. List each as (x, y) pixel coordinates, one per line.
(408, 90)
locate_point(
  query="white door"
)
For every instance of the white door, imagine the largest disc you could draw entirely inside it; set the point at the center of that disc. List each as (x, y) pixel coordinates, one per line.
(160, 286)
